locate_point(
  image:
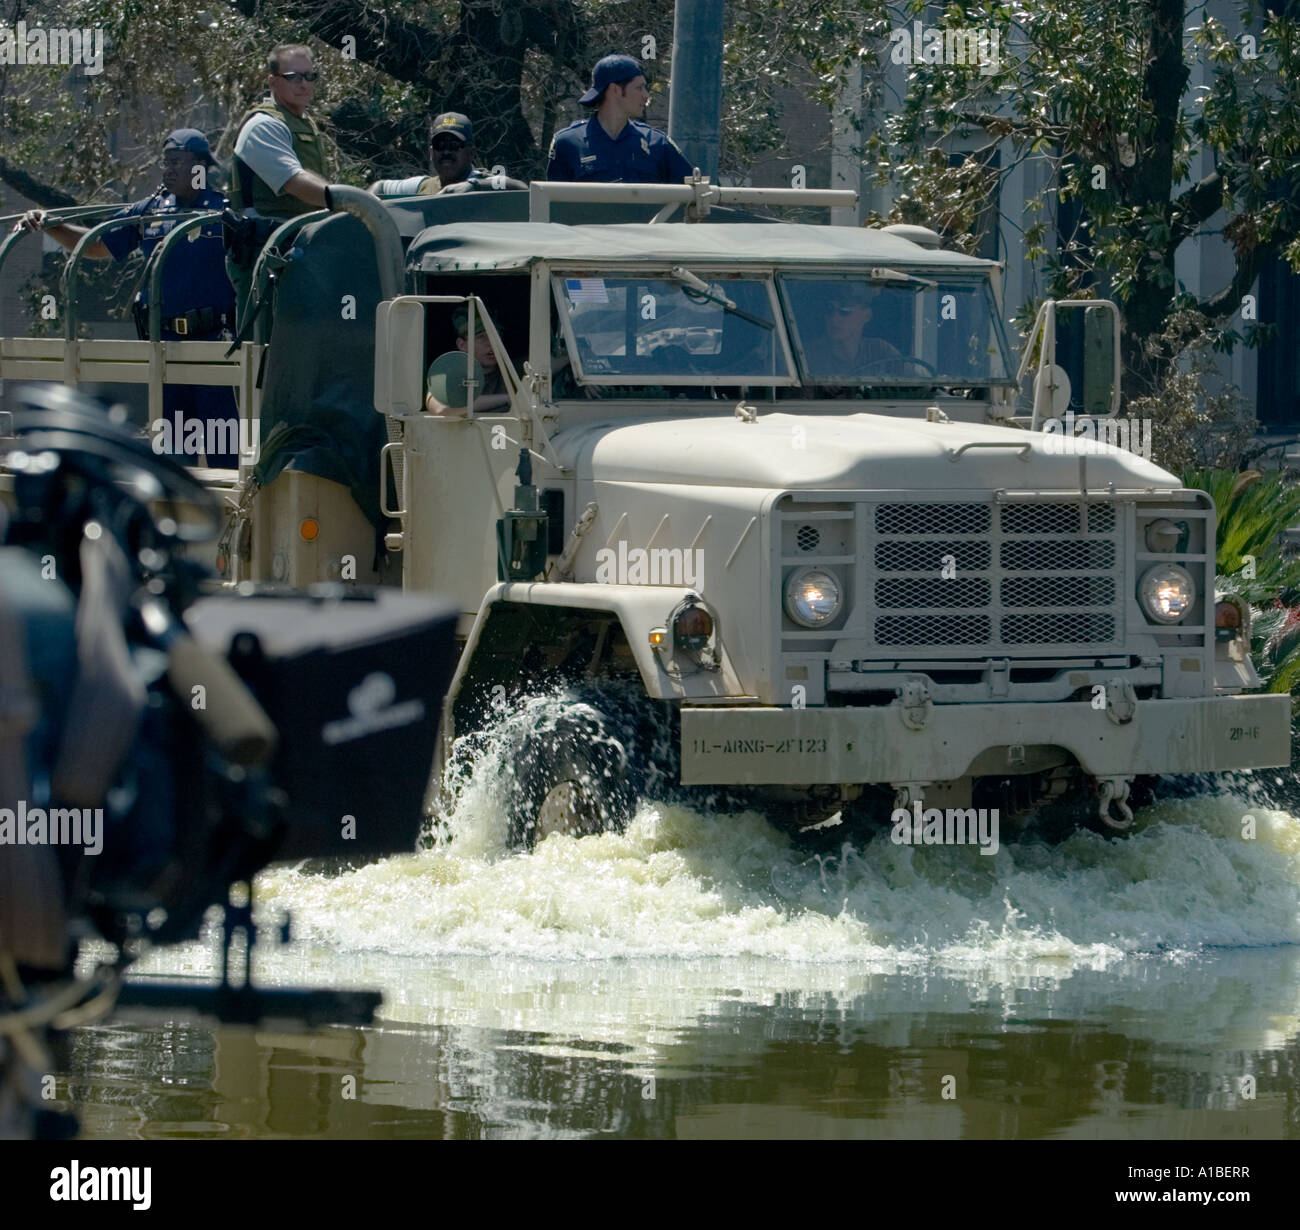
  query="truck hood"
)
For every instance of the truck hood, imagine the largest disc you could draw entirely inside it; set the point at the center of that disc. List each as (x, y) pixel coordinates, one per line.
(845, 452)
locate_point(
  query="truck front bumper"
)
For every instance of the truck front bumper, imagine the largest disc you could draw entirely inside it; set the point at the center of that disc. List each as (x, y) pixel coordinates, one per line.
(768, 746)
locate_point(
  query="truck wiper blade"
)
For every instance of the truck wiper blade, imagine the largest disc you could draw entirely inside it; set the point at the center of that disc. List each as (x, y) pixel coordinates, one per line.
(881, 273)
(702, 291)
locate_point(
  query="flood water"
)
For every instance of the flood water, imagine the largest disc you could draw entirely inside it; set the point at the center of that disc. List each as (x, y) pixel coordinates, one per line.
(699, 977)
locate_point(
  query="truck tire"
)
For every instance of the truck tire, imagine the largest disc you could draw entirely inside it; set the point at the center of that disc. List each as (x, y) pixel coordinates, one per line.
(574, 776)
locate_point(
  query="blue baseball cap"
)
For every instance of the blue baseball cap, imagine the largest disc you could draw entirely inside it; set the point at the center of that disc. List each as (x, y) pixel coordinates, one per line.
(456, 124)
(190, 139)
(612, 70)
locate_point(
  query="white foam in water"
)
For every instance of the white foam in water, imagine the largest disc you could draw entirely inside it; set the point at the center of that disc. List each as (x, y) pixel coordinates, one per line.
(635, 938)
(680, 883)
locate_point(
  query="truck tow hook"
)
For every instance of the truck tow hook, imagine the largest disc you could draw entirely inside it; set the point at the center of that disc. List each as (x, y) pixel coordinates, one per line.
(1114, 793)
(908, 793)
(915, 704)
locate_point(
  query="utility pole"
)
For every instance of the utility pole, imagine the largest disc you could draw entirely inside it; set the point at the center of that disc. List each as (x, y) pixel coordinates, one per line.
(846, 140)
(695, 103)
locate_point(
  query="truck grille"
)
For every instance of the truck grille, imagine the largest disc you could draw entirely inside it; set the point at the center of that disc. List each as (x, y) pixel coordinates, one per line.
(1007, 577)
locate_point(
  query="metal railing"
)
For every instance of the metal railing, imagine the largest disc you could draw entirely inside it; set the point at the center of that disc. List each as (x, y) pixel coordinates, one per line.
(151, 361)
(697, 195)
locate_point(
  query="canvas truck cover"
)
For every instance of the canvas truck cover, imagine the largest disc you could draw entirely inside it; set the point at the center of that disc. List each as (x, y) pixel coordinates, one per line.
(318, 412)
(502, 246)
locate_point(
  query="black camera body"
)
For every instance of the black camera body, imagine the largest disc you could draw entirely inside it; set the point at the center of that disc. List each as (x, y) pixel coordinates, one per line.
(192, 734)
(353, 681)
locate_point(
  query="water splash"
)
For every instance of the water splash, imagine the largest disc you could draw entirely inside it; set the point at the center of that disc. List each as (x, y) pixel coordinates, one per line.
(682, 883)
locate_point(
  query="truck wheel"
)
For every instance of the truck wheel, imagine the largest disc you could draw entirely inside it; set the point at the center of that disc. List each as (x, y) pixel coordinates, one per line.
(572, 776)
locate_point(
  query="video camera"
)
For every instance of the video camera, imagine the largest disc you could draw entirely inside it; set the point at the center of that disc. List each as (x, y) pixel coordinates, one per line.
(160, 743)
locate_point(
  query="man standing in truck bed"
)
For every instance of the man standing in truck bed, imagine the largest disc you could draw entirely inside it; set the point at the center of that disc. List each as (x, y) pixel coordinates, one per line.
(613, 146)
(279, 159)
(453, 165)
(198, 304)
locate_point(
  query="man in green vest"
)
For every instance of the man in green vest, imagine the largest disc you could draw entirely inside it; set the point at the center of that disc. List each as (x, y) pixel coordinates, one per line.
(279, 160)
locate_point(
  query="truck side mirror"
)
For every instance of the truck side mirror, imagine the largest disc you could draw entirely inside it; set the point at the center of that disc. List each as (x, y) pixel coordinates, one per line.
(449, 375)
(1098, 361)
(1085, 346)
(1052, 399)
(399, 358)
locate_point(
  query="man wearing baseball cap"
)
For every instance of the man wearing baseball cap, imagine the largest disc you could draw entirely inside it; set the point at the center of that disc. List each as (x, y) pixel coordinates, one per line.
(453, 164)
(198, 302)
(613, 146)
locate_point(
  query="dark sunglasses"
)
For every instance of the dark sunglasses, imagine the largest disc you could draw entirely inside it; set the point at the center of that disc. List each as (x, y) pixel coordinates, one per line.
(448, 143)
(292, 77)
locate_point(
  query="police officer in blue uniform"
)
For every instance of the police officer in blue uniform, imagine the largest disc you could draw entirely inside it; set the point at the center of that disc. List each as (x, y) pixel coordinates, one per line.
(613, 146)
(198, 302)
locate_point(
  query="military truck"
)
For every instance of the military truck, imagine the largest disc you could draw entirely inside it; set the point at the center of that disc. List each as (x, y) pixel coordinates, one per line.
(784, 484)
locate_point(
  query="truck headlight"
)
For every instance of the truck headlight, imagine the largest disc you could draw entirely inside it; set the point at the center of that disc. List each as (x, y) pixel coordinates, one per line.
(1167, 593)
(812, 597)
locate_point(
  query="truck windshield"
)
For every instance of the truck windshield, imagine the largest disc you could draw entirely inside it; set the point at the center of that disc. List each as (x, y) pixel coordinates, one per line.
(851, 332)
(628, 330)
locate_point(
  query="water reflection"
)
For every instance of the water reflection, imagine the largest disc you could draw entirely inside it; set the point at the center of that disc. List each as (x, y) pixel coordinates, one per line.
(697, 976)
(1162, 1048)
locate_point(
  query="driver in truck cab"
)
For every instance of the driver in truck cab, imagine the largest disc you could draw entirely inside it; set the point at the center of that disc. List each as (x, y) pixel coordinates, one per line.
(493, 394)
(843, 346)
(845, 342)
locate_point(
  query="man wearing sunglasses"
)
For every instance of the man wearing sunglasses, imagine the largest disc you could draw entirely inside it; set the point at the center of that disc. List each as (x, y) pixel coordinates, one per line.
(279, 167)
(844, 347)
(453, 165)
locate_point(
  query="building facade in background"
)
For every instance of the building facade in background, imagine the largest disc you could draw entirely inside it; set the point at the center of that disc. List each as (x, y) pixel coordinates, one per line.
(1268, 378)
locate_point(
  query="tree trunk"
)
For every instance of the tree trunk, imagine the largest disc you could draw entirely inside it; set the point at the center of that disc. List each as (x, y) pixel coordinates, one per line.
(1148, 184)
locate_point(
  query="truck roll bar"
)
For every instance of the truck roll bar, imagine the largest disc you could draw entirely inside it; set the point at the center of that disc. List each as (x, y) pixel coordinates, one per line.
(383, 230)
(698, 195)
(67, 214)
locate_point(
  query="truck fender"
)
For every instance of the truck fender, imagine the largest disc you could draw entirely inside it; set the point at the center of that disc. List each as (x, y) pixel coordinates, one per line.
(515, 617)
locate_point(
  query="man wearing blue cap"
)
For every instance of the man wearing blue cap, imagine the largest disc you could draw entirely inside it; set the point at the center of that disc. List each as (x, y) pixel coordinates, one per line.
(198, 302)
(613, 146)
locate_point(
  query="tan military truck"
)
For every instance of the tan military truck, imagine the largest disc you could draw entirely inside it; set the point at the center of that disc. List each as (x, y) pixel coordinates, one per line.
(777, 482)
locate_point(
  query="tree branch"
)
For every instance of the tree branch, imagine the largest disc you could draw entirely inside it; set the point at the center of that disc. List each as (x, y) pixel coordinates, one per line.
(44, 195)
(405, 49)
(1198, 204)
(1250, 264)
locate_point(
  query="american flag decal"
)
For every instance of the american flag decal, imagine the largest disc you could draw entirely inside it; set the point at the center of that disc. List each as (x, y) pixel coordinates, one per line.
(586, 290)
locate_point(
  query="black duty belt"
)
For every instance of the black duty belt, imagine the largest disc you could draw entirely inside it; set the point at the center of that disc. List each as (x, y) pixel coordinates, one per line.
(202, 320)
